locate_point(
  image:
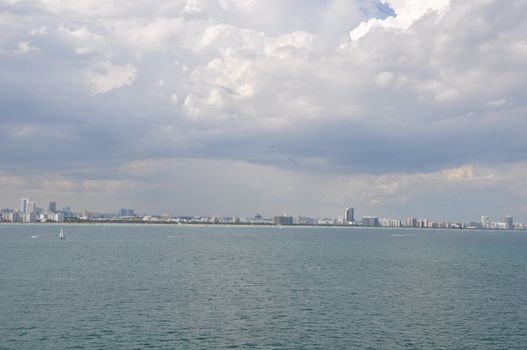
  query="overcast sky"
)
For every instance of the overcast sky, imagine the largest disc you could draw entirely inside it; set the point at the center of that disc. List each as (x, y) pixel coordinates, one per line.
(236, 107)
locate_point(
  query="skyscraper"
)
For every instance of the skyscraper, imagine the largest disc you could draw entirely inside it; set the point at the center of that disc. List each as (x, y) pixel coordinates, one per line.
(349, 215)
(509, 222)
(52, 207)
(24, 205)
(485, 222)
(370, 221)
(125, 212)
(283, 219)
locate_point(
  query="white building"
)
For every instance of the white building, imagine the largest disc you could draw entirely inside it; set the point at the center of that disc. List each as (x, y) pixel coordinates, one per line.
(485, 221)
(390, 222)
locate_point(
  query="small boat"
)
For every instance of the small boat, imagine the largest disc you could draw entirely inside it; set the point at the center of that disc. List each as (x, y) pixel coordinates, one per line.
(61, 234)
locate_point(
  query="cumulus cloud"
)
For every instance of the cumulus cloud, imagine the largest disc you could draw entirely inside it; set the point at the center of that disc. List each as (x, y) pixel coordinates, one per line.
(105, 76)
(83, 40)
(25, 47)
(497, 103)
(174, 99)
(22, 48)
(406, 13)
(376, 91)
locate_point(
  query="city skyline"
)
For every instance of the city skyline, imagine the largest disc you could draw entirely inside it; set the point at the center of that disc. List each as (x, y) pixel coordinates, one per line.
(194, 107)
(29, 212)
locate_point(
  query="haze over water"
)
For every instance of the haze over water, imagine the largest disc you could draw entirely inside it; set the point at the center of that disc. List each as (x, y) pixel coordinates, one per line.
(134, 287)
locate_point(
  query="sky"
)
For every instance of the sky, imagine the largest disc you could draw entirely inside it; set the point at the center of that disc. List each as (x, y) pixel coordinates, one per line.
(398, 108)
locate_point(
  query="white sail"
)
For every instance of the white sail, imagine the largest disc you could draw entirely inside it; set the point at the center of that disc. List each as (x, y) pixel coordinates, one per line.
(61, 234)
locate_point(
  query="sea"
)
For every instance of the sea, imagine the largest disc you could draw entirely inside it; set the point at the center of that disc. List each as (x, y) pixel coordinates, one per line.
(235, 287)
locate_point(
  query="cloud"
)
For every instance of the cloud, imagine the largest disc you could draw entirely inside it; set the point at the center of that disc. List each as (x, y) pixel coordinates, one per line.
(25, 47)
(406, 13)
(22, 48)
(184, 186)
(42, 31)
(174, 99)
(497, 103)
(360, 90)
(83, 39)
(105, 76)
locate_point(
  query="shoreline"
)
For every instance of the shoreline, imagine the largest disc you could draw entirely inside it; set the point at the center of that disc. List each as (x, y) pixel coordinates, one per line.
(263, 225)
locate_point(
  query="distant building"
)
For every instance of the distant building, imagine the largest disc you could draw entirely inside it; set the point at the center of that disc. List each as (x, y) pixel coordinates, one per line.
(303, 220)
(283, 220)
(390, 222)
(509, 225)
(125, 212)
(410, 222)
(67, 212)
(422, 223)
(27, 217)
(27, 209)
(10, 216)
(349, 215)
(26, 206)
(23, 205)
(498, 226)
(485, 222)
(370, 221)
(475, 225)
(325, 221)
(53, 207)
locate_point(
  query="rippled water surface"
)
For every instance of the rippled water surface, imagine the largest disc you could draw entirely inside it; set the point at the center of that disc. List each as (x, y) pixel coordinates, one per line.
(181, 287)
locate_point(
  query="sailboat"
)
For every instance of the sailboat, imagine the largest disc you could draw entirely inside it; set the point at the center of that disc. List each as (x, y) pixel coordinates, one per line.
(61, 234)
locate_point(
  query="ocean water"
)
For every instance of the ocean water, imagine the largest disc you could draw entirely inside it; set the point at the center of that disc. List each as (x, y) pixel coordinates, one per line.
(190, 287)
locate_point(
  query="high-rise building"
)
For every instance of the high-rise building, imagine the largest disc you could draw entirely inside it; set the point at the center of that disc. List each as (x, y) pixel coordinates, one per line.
(389, 222)
(26, 206)
(485, 222)
(125, 212)
(30, 207)
(349, 215)
(410, 222)
(283, 219)
(23, 205)
(53, 206)
(370, 221)
(509, 223)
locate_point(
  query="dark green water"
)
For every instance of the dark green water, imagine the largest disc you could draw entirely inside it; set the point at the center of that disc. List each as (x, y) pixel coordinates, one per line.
(137, 287)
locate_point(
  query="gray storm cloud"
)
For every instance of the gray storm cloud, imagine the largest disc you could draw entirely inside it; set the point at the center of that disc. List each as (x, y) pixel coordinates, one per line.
(341, 96)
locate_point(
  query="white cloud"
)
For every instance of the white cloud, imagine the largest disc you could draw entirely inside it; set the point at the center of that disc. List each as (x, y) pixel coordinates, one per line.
(157, 34)
(25, 47)
(497, 103)
(41, 31)
(406, 13)
(411, 100)
(83, 39)
(384, 78)
(105, 76)
(174, 99)
(22, 48)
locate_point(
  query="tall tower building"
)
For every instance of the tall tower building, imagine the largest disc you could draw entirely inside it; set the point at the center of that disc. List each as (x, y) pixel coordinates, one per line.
(509, 222)
(23, 204)
(30, 207)
(53, 206)
(26, 210)
(485, 221)
(349, 215)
